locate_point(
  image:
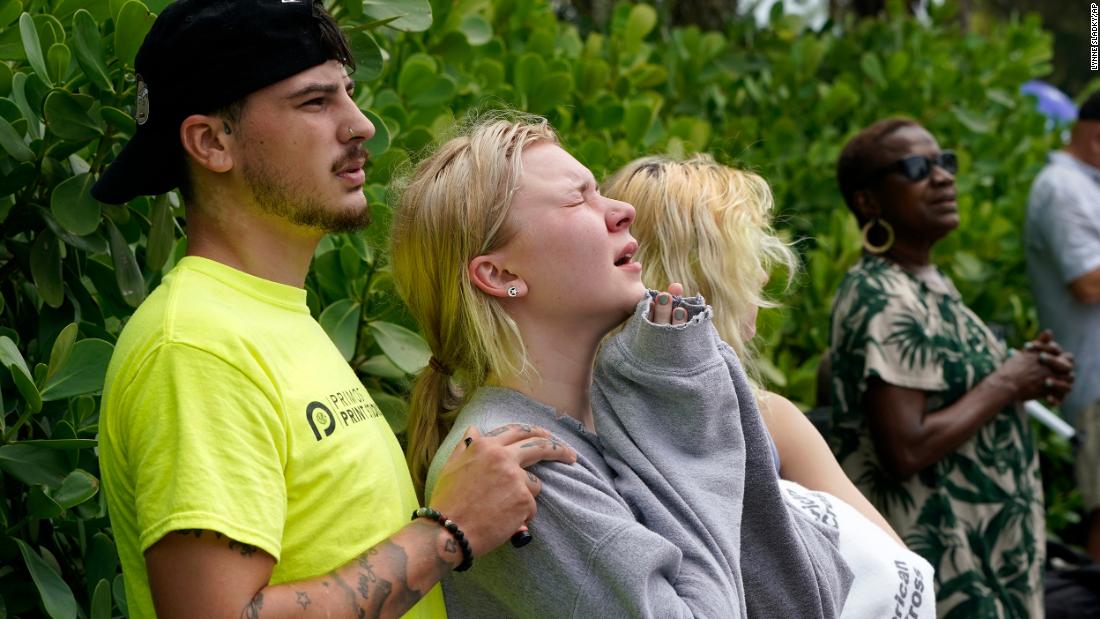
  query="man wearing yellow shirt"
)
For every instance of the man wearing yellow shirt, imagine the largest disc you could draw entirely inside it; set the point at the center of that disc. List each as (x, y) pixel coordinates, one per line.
(247, 471)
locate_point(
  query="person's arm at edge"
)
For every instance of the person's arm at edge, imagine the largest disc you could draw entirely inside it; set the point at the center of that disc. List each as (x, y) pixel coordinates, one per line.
(483, 488)
(1086, 288)
(805, 458)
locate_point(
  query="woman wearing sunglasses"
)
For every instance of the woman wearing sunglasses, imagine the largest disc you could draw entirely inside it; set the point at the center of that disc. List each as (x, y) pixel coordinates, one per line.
(926, 401)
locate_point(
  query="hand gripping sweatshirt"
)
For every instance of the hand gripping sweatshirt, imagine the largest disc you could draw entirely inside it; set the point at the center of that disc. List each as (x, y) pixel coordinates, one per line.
(654, 518)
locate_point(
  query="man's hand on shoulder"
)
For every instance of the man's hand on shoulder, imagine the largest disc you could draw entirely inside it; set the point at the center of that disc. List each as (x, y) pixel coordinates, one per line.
(484, 486)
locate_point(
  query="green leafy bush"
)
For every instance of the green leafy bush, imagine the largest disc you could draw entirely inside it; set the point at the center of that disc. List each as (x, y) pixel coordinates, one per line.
(780, 100)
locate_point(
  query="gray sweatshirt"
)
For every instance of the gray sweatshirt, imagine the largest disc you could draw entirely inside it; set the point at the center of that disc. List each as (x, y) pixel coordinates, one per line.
(682, 432)
(651, 520)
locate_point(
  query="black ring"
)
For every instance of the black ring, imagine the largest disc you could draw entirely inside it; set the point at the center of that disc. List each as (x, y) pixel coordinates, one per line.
(521, 539)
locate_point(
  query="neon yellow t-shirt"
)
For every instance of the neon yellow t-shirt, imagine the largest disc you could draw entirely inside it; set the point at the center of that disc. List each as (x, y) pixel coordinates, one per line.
(227, 407)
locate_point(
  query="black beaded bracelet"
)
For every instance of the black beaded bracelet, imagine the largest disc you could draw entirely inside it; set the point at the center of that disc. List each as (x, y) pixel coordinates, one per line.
(452, 528)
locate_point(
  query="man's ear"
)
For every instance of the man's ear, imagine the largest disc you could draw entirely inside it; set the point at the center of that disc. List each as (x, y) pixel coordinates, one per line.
(491, 278)
(207, 140)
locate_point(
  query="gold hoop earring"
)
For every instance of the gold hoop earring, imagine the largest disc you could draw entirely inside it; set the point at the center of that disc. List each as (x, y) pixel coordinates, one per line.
(878, 249)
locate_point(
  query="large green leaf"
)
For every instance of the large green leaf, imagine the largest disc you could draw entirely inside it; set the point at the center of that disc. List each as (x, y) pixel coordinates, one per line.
(57, 597)
(476, 29)
(67, 118)
(132, 24)
(74, 207)
(13, 143)
(380, 365)
(6, 76)
(162, 233)
(637, 118)
(32, 46)
(353, 7)
(380, 143)
(341, 321)
(87, 43)
(9, 11)
(394, 409)
(77, 487)
(554, 89)
(368, 56)
(405, 348)
(118, 119)
(411, 15)
(57, 61)
(10, 355)
(101, 600)
(62, 348)
(528, 73)
(118, 587)
(127, 273)
(82, 373)
(33, 464)
(100, 558)
(641, 21)
(19, 95)
(46, 268)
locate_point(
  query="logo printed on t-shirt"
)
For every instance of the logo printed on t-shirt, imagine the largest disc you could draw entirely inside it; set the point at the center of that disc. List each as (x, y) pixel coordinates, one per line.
(905, 600)
(350, 407)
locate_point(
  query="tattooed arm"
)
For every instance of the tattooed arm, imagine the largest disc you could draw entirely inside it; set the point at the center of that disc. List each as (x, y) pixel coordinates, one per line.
(202, 573)
(483, 487)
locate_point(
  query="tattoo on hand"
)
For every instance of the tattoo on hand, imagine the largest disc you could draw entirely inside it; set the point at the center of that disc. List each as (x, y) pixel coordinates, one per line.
(552, 442)
(303, 599)
(450, 546)
(525, 427)
(252, 611)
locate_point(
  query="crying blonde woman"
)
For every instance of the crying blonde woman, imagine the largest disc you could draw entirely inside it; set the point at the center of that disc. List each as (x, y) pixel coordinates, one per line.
(517, 270)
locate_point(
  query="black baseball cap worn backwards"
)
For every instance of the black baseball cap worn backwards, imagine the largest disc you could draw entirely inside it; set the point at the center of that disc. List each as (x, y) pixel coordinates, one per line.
(200, 56)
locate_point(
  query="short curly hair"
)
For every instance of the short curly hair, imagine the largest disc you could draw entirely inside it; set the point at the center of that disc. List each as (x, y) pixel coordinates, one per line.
(859, 157)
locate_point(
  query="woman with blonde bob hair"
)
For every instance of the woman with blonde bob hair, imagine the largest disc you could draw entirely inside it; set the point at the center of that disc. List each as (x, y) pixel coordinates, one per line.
(517, 269)
(709, 226)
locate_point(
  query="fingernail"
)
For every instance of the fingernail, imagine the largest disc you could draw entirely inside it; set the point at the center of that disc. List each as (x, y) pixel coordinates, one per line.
(679, 313)
(1043, 356)
(663, 299)
(1029, 345)
(1048, 383)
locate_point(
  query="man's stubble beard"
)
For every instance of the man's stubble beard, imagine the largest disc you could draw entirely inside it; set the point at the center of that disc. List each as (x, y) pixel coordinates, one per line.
(280, 197)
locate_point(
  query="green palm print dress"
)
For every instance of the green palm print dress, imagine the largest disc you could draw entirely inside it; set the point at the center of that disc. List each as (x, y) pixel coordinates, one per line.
(977, 514)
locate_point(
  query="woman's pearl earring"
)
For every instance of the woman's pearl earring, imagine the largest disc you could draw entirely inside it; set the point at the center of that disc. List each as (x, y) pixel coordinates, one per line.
(513, 291)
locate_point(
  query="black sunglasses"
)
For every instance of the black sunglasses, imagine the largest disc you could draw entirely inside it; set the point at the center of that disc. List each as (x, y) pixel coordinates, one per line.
(918, 167)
